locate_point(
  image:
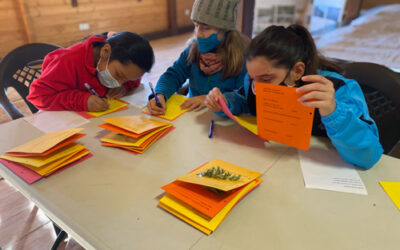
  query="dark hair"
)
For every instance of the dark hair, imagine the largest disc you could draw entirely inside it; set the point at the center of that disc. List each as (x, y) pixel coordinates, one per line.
(287, 46)
(130, 47)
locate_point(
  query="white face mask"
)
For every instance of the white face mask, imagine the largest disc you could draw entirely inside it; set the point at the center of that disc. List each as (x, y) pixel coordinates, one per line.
(105, 77)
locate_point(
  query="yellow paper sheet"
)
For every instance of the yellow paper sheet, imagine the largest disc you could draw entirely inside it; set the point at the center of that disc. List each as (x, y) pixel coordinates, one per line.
(114, 105)
(393, 190)
(192, 216)
(40, 161)
(248, 121)
(136, 124)
(247, 176)
(50, 168)
(198, 226)
(128, 141)
(45, 142)
(173, 107)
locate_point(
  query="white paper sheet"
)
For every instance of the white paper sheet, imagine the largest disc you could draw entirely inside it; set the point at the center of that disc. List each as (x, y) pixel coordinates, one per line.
(140, 96)
(49, 121)
(325, 169)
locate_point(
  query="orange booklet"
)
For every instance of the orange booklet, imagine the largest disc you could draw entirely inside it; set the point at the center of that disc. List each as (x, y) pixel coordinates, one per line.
(198, 197)
(281, 117)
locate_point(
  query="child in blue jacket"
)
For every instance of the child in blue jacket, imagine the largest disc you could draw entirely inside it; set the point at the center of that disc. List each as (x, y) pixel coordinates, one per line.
(288, 56)
(214, 58)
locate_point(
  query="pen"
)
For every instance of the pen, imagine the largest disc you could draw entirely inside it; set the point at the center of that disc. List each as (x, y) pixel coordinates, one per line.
(92, 91)
(210, 131)
(155, 96)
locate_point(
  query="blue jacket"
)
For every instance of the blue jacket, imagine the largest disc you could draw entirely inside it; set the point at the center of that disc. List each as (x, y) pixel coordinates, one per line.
(350, 128)
(199, 83)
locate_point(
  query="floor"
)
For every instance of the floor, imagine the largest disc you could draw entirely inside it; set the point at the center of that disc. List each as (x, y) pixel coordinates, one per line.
(24, 226)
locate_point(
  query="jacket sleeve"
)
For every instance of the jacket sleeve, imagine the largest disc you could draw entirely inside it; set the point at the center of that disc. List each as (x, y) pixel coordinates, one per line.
(237, 99)
(56, 89)
(351, 129)
(175, 76)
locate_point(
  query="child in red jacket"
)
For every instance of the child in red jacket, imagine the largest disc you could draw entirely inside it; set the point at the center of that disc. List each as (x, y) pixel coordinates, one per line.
(111, 66)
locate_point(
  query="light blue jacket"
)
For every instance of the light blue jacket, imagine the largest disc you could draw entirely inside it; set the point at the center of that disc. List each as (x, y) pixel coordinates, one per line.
(350, 128)
(199, 83)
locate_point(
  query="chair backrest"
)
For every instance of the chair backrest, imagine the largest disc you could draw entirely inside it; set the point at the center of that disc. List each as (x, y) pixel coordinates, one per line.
(18, 69)
(381, 88)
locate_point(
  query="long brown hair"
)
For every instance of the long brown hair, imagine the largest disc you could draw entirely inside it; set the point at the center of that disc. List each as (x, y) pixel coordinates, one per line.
(287, 46)
(232, 51)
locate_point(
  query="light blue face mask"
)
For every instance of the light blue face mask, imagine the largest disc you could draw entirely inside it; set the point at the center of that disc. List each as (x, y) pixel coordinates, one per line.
(105, 77)
(209, 43)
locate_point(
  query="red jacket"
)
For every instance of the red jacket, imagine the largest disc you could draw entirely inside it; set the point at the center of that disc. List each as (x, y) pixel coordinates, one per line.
(64, 72)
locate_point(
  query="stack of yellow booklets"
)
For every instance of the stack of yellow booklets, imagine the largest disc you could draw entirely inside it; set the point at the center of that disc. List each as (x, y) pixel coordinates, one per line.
(46, 155)
(205, 196)
(173, 105)
(134, 133)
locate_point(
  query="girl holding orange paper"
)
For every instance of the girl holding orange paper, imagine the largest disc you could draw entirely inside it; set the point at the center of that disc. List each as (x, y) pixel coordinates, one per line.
(288, 56)
(214, 58)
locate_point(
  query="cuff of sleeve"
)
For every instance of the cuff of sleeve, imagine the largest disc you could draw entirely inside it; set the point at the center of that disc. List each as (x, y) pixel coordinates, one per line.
(337, 119)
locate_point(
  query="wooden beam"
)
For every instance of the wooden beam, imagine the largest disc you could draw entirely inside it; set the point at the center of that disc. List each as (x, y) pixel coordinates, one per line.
(24, 21)
(248, 17)
(172, 21)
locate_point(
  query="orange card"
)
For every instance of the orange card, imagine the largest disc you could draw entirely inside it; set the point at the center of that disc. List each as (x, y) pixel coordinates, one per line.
(205, 201)
(281, 117)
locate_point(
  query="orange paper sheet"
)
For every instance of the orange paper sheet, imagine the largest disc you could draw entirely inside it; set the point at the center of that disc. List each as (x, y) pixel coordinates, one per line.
(281, 117)
(205, 201)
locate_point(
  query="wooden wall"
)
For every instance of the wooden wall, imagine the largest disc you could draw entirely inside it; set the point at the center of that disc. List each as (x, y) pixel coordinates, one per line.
(368, 4)
(11, 26)
(57, 21)
(182, 19)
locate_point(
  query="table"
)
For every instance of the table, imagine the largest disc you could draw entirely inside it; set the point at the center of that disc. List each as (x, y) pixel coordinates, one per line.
(110, 200)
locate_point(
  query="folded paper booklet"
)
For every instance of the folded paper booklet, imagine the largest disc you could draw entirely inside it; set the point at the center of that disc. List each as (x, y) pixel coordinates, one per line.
(202, 205)
(173, 107)
(280, 116)
(134, 133)
(114, 106)
(45, 154)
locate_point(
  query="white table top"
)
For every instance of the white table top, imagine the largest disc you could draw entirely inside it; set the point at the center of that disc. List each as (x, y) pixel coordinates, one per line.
(110, 200)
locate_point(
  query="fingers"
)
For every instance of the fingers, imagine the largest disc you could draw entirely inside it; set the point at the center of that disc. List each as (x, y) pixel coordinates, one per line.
(212, 100)
(212, 104)
(316, 78)
(154, 109)
(96, 104)
(186, 104)
(315, 95)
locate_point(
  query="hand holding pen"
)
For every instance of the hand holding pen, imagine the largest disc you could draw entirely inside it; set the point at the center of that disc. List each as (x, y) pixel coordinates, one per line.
(156, 106)
(95, 103)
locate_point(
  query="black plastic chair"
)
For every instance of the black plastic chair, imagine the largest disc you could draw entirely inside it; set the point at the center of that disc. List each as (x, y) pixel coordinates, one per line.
(381, 88)
(18, 69)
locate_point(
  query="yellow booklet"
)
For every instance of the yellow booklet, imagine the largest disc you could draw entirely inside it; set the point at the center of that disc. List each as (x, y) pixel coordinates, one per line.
(114, 105)
(194, 218)
(51, 167)
(40, 161)
(393, 190)
(173, 107)
(198, 177)
(136, 124)
(124, 140)
(45, 142)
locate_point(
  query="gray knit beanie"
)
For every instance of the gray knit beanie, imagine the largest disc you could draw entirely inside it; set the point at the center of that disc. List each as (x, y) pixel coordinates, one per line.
(218, 13)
